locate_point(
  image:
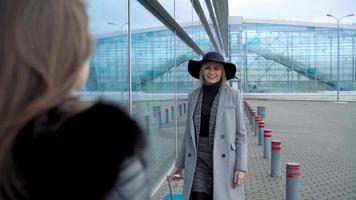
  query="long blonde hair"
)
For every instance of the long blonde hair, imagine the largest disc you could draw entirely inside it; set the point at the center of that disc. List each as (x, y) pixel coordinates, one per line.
(43, 44)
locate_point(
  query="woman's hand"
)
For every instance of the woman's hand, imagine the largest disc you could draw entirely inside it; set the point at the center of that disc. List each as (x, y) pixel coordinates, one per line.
(239, 178)
(177, 173)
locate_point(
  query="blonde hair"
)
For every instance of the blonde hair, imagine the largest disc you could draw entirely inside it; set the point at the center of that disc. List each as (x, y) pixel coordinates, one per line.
(43, 46)
(223, 80)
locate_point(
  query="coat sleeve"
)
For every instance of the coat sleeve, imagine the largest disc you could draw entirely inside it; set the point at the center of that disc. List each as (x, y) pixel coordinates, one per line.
(181, 156)
(241, 139)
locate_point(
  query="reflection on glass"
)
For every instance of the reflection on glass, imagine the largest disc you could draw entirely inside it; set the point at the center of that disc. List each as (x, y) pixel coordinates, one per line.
(154, 92)
(291, 58)
(108, 76)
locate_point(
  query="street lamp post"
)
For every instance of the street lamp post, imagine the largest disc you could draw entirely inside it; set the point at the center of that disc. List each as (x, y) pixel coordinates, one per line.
(338, 49)
(121, 27)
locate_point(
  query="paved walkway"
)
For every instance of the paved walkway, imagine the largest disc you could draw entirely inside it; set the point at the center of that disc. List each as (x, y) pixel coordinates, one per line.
(321, 136)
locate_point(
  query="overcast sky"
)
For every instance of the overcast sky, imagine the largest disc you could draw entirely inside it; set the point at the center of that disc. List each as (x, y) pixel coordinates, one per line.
(102, 12)
(296, 10)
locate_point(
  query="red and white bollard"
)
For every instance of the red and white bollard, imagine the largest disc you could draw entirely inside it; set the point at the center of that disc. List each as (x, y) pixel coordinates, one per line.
(249, 114)
(267, 143)
(180, 110)
(261, 126)
(293, 181)
(257, 121)
(276, 158)
(158, 118)
(172, 111)
(253, 115)
(167, 115)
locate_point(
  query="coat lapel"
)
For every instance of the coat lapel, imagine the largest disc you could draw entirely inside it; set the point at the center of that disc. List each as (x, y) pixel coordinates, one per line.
(194, 99)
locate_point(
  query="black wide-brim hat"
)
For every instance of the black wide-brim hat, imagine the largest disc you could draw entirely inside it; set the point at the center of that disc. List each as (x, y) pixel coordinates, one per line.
(194, 66)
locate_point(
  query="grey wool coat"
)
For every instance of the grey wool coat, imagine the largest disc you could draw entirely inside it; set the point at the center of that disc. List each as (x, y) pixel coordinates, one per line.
(230, 146)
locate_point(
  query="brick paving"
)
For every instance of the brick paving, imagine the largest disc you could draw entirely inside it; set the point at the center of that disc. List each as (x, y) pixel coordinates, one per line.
(321, 136)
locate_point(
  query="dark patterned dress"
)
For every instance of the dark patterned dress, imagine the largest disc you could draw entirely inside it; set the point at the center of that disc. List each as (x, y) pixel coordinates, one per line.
(203, 176)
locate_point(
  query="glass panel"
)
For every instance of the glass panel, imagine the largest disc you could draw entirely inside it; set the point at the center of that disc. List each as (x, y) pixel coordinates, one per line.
(189, 20)
(207, 15)
(108, 76)
(153, 90)
(168, 5)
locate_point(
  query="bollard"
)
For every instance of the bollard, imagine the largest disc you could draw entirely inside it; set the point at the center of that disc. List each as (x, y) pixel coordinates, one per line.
(180, 110)
(147, 124)
(293, 181)
(253, 115)
(155, 109)
(172, 111)
(257, 120)
(185, 107)
(246, 106)
(267, 143)
(261, 126)
(167, 115)
(249, 113)
(261, 111)
(158, 118)
(276, 158)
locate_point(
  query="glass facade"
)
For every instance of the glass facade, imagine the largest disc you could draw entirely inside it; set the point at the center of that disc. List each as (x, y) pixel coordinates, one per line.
(292, 58)
(269, 57)
(159, 80)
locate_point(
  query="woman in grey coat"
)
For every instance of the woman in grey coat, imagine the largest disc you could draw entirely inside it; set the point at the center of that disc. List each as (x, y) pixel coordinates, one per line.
(214, 151)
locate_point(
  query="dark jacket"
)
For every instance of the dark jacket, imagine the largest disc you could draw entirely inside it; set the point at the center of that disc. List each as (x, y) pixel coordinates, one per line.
(81, 156)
